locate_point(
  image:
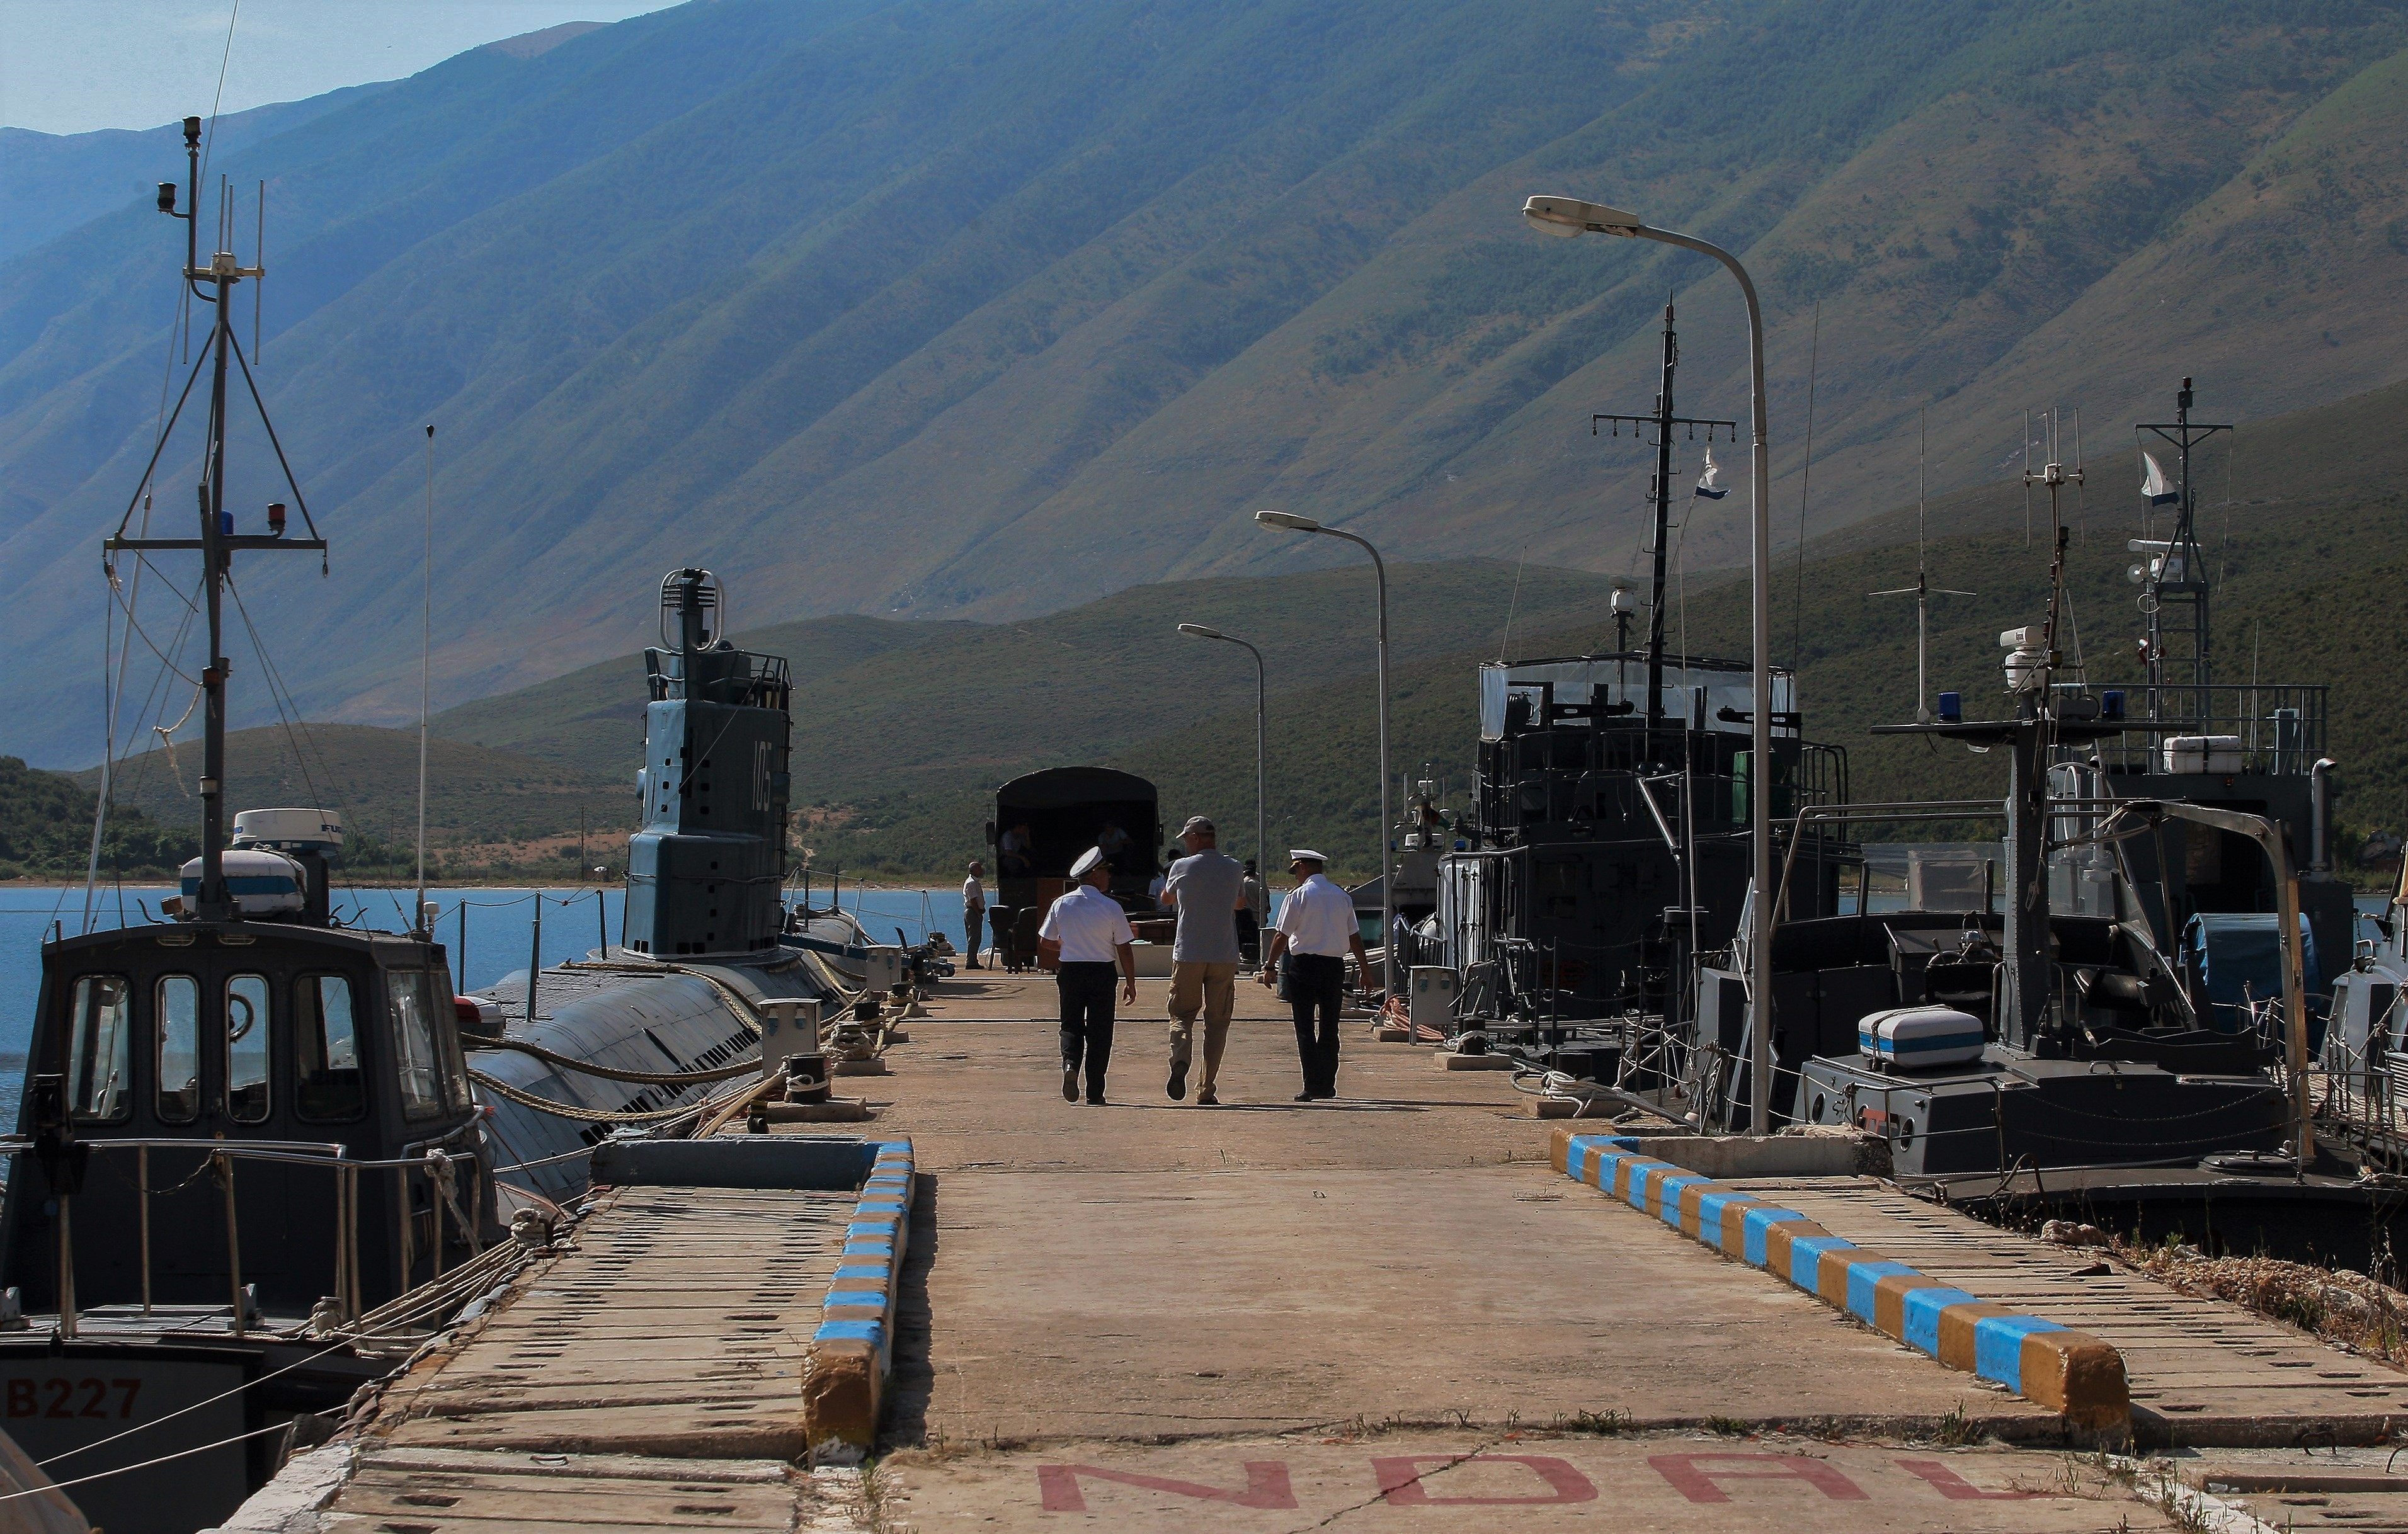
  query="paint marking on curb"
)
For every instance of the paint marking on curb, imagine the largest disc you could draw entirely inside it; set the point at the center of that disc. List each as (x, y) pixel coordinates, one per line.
(853, 1349)
(2050, 1365)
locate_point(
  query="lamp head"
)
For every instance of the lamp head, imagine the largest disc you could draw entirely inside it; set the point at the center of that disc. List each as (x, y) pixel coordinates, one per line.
(1199, 631)
(167, 196)
(1288, 520)
(1568, 216)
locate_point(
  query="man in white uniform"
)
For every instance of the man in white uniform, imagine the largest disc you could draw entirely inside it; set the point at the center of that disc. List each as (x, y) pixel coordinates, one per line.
(974, 912)
(1085, 934)
(1315, 931)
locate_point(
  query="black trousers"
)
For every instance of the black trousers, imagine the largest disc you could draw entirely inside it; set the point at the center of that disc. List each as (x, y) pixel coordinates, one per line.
(1316, 989)
(974, 929)
(1087, 994)
(1250, 939)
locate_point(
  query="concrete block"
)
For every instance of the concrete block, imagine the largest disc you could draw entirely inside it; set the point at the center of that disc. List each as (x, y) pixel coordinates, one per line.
(2077, 1374)
(1392, 1033)
(1553, 1108)
(872, 1067)
(1449, 1060)
(841, 1392)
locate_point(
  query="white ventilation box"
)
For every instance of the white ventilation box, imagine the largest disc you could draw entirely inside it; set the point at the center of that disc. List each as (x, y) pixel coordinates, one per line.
(2202, 754)
(261, 883)
(1913, 1038)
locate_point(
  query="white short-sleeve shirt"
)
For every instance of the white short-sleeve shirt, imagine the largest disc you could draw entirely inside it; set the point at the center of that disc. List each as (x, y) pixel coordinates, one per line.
(973, 893)
(1089, 924)
(1319, 918)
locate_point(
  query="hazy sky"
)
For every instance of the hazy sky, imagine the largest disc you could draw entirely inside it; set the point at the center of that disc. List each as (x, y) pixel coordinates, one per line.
(72, 65)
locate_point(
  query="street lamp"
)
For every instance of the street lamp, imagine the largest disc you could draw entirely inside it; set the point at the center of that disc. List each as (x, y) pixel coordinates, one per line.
(1290, 522)
(1199, 631)
(1568, 217)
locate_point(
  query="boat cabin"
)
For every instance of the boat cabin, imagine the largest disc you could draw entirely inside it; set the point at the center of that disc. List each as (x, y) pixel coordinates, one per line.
(243, 1104)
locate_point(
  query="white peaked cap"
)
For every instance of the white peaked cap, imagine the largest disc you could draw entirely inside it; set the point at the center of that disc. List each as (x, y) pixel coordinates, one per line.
(1304, 855)
(1088, 860)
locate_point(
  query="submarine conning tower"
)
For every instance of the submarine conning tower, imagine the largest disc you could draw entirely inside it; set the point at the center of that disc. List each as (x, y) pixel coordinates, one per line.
(705, 869)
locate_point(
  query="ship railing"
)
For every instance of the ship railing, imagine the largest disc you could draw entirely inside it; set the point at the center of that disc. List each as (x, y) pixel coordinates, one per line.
(428, 1158)
(2280, 725)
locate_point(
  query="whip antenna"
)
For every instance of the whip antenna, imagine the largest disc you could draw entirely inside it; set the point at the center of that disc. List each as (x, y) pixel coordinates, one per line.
(425, 644)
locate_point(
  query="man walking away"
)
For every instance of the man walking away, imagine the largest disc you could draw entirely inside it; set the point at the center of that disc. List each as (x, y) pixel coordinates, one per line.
(974, 912)
(1315, 931)
(1207, 888)
(1085, 932)
(1250, 918)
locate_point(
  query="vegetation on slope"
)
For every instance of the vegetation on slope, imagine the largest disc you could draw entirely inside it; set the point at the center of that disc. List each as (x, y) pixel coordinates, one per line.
(46, 830)
(892, 307)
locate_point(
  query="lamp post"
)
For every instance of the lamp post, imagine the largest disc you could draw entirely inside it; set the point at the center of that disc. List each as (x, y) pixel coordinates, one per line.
(1568, 217)
(1289, 522)
(1199, 631)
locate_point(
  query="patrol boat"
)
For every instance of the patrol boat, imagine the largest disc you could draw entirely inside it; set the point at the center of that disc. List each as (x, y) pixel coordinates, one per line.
(2072, 1053)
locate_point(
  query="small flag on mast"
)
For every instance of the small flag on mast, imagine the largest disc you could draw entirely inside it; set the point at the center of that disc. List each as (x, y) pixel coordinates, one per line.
(2154, 483)
(1707, 489)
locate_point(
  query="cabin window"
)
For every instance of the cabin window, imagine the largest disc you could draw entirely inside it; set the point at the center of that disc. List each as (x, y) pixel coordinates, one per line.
(411, 1003)
(327, 1086)
(99, 1044)
(179, 1100)
(246, 1056)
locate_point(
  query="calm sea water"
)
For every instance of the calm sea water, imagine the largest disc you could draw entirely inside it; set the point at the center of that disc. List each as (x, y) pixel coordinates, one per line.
(499, 936)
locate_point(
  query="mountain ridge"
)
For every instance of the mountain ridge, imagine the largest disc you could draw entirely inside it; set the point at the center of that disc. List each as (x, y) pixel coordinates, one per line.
(887, 308)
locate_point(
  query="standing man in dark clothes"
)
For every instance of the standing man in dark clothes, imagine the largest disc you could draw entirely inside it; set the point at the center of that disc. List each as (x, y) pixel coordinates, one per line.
(974, 911)
(1317, 929)
(1207, 888)
(1085, 932)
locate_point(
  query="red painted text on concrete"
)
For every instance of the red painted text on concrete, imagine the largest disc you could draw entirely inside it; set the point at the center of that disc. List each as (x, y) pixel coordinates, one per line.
(1948, 1484)
(1400, 1480)
(1693, 1478)
(1266, 1485)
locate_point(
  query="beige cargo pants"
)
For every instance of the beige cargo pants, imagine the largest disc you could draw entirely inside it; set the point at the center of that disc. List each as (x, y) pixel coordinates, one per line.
(1211, 989)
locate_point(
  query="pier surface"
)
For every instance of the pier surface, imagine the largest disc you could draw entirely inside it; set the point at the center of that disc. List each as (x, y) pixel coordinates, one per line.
(1385, 1311)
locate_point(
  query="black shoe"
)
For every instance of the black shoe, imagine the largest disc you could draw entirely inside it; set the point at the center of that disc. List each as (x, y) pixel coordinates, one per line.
(1069, 1083)
(1325, 1096)
(1098, 1101)
(1178, 1087)
(1208, 1098)
(1305, 1096)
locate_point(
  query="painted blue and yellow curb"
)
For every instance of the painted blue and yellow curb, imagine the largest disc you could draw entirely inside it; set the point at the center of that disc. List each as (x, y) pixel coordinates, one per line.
(853, 1351)
(2053, 1366)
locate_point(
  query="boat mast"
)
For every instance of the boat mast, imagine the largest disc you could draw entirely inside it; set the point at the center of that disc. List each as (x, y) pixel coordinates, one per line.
(2179, 553)
(1661, 422)
(218, 541)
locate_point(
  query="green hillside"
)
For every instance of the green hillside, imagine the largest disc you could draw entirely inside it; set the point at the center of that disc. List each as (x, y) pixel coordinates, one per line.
(897, 309)
(487, 811)
(46, 830)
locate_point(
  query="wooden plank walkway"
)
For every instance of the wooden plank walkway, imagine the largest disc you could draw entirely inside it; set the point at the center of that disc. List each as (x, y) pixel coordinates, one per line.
(2201, 1370)
(677, 1325)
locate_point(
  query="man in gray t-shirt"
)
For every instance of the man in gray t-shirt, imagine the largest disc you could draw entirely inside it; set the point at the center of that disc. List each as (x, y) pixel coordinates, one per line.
(1206, 888)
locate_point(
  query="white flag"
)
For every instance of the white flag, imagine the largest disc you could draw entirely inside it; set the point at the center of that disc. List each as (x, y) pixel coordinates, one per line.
(1707, 489)
(2154, 483)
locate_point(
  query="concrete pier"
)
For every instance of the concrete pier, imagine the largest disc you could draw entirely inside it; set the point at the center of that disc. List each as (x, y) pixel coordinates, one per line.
(1389, 1310)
